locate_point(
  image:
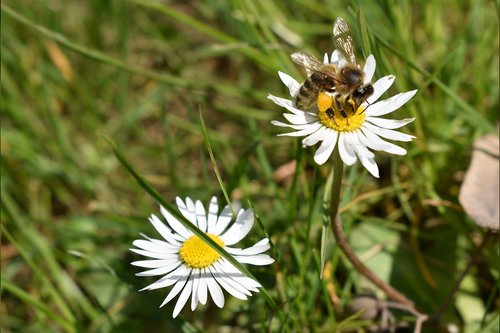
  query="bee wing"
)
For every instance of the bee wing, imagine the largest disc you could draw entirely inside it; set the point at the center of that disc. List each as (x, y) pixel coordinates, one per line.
(307, 61)
(342, 40)
(311, 63)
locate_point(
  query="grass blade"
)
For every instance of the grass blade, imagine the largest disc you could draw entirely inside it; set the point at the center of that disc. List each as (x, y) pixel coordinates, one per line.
(214, 164)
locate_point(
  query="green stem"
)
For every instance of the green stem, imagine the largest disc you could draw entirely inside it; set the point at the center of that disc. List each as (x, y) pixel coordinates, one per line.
(338, 232)
(338, 170)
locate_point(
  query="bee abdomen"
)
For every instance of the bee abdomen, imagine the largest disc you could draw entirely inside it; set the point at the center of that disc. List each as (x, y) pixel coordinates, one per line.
(308, 92)
(310, 84)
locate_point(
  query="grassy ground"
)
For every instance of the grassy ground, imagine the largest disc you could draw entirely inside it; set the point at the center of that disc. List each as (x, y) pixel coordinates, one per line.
(76, 74)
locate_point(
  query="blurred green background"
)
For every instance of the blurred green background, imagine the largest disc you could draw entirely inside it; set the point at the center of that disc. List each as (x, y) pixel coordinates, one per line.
(75, 74)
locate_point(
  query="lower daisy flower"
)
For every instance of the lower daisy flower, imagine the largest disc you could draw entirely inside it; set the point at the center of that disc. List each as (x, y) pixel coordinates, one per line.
(352, 133)
(193, 267)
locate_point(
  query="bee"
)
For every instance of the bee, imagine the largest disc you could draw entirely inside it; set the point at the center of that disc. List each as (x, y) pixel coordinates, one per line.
(346, 82)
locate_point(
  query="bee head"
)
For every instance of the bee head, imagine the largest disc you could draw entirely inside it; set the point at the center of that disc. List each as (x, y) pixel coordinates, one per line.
(362, 93)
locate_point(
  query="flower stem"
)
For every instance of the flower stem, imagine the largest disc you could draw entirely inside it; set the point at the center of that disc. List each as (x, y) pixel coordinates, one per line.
(338, 232)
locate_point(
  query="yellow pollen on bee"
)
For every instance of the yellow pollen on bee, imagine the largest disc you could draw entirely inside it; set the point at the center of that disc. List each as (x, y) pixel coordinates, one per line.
(331, 116)
(324, 102)
(197, 254)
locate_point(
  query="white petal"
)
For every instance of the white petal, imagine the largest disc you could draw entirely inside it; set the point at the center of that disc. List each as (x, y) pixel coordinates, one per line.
(169, 266)
(151, 263)
(372, 144)
(226, 283)
(387, 146)
(389, 123)
(241, 211)
(246, 252)
(359, 148)
(370, 165)
(369, 68)
(176, 225)
(346, 152)
(202, 287)
(179, 273)
(389, 105)
(395, 149)
(325, 59)
(201, 216)
(235, 289)
(336, 57)
(263, 241)
(300, 119)
(258, 248)
(157, 247)
(388, 134)
(258, 260)
(310, 128)
(168, 247)
(285, 103)
(243, 282)
(315, 137)
(196, 283)
(381, 87)
(279, 123)
(213, 209)
(342, 62)
(176, 289)
(156, 255)
(239, 229)
(165, 231)
(224, 219)
(186, 209)
(290, 82)
(186, 292)
(192, 211)
(215, 291)
(365, 156)
(297, 127)
(326, 148)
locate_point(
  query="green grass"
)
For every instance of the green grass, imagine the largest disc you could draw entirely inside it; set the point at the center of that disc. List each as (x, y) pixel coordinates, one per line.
(79, 74)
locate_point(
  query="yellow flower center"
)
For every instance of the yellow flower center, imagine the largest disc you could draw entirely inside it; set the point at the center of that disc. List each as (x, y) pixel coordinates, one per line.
(198, 254)
(337, 112)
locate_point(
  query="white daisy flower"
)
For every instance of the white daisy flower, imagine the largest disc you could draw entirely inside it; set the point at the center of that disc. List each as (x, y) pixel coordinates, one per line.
(193, 267)
(353, 135)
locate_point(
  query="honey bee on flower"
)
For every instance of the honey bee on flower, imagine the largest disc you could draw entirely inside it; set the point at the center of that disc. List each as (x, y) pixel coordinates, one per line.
(338, 106)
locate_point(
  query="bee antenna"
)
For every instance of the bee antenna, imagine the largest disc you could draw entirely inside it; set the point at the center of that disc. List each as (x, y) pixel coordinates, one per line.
(369, 104)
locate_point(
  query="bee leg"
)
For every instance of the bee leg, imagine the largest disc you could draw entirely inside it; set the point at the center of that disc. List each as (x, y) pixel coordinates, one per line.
(350, 101)
(342, 112)
(331, 114)
(340, 108)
